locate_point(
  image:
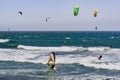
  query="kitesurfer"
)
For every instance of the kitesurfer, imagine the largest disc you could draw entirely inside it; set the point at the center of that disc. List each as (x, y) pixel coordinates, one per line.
(110, 46)
(99, 58)
(95, 28)
(51, 61)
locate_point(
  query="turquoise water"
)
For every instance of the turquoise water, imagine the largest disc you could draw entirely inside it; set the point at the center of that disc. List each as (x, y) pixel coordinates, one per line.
(23, 55)
(84, 39)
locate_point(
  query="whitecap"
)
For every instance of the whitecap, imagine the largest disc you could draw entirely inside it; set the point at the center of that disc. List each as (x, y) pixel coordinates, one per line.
(4, 40)
(61, 48)
(112, 37)
(68, 38)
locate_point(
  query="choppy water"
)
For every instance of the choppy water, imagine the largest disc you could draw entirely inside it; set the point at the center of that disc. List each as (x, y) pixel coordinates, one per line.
(23, 55)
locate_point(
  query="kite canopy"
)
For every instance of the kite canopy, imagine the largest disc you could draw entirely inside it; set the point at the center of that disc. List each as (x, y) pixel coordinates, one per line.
(76, 10)
(95, 12)
(47, 19)
(20, 13)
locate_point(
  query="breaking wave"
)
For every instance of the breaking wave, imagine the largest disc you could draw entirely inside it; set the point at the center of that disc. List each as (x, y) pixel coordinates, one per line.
(65, 55)
(4, 40)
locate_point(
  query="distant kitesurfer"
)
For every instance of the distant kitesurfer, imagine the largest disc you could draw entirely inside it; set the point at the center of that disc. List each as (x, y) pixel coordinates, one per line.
(110, 46)
(8, 29)
(51, 61)
(99, 58)
(96, 28)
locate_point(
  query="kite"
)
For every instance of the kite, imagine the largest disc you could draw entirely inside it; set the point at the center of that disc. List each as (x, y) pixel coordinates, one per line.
(96, 12)
(76, 10)
(20, 13)
(47, 19)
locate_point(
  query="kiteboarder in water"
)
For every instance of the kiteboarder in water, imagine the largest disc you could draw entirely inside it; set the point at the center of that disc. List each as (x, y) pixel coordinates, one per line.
(110, 46)
(99, 58)
(51, 61)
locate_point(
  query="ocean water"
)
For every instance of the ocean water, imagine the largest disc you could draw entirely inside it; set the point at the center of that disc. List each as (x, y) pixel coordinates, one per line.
(23, 55)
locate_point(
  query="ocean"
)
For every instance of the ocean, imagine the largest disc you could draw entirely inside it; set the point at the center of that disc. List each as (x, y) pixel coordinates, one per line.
(24, 55)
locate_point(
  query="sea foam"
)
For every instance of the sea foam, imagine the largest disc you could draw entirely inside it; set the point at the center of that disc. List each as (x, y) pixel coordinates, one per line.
(67, 55)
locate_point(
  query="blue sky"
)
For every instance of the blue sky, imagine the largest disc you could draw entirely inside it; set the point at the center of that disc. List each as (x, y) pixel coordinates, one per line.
(61, 15)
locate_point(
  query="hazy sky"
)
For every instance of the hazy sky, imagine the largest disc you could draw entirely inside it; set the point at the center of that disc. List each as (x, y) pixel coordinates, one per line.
(61, 15)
